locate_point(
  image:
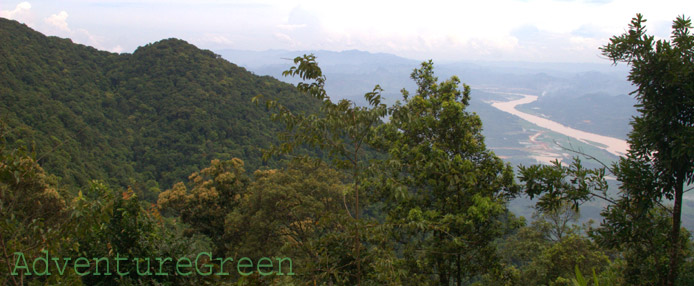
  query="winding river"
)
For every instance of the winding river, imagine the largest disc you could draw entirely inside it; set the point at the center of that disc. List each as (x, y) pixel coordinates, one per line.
(613, 145)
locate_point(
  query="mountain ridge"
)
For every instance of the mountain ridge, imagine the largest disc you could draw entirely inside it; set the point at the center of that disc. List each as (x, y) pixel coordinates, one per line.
(145, 120)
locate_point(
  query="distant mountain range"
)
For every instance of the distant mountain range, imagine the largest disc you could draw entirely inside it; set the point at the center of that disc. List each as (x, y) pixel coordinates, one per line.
(589, 97)
(568, 79)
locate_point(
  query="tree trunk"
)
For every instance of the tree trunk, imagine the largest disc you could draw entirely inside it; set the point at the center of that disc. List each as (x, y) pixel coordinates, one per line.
(458, 283)
(675, 233)
(356, 211)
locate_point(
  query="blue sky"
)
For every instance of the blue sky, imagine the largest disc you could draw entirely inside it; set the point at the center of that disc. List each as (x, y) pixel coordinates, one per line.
(492, 30)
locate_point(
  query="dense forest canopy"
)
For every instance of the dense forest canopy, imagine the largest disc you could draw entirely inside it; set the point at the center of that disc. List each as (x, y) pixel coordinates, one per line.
(146, 119)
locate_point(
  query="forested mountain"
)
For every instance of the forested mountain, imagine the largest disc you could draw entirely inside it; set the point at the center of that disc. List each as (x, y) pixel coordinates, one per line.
(152, 117)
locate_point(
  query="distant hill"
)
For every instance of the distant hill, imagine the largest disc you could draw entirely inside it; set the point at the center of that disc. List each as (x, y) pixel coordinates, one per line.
(575, 94)
(145, 119)
(349, 74)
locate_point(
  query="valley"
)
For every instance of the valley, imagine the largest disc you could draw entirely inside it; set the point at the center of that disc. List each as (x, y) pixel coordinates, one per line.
(615, 146)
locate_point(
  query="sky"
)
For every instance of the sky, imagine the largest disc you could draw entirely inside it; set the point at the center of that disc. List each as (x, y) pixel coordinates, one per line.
(491, 30)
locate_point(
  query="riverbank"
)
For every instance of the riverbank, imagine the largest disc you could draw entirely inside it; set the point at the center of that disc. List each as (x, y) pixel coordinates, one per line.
(612, 145)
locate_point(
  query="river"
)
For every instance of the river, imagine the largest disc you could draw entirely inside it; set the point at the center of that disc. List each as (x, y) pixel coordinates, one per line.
(613, 145)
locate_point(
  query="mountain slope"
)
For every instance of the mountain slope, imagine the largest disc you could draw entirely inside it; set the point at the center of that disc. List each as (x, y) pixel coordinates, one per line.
(145, 119)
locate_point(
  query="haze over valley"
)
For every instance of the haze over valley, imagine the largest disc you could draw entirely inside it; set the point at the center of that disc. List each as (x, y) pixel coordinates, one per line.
(592, 98)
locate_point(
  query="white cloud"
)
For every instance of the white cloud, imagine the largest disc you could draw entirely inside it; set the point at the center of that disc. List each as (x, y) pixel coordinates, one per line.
(117, 49)
(20, 8)
(439, 29)
(216, 40)
(291, 27)
(285, 38)
(57, 24)
(59, 21)
(19, 13)
(85, 37)
(567, 30)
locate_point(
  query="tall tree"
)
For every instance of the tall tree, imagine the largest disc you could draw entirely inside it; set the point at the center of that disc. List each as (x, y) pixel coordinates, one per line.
(33, 211)
(663, 135)
(340, 129)
(294, 212)
(440, 186)
(658, 166)
(216, 192)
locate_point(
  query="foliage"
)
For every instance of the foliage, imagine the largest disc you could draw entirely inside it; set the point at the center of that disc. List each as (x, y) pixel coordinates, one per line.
(215, 192)
(581, 281)
(636, 225)
(558, 223)
(558, 184)
(642, 238)
(657, 167)
(33, 212)
(341, 129)
(662, 136)
(443, 191)
(555, 265)
(39, 220)
(144, 120)
(415, 200)
(295, 212)
(536, 255)
(107, 223)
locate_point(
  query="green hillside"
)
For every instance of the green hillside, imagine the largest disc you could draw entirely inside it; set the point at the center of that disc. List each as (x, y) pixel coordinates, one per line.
(146, 119)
